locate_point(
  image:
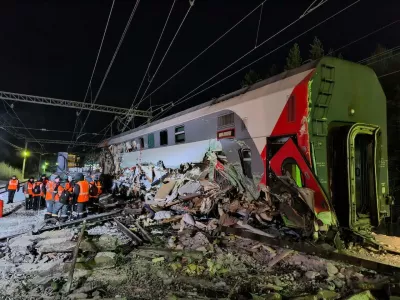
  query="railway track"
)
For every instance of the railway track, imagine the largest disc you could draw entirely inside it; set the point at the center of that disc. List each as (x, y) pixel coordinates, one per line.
(43, 226)
(17, 207)
(315, 250)
(93, 218)
(301, 246)
(131, 235)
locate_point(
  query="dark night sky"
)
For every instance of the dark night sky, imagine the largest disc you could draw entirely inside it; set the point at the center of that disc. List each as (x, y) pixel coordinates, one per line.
(48, 48)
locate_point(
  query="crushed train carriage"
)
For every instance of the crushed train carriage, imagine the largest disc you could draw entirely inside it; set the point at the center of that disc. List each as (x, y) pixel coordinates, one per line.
(324, 124)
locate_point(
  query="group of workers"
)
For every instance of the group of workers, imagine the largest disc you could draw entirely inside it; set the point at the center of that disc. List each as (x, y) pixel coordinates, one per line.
(77, 195)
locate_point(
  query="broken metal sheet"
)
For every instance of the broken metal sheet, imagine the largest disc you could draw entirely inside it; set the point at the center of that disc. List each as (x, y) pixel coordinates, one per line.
(254, 230)
(171, 156)
(308, 196)
(293, 216)
(165, 190)
(189, 188)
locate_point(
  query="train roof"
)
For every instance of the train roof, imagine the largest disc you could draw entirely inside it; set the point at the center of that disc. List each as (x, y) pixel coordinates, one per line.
(270, 80)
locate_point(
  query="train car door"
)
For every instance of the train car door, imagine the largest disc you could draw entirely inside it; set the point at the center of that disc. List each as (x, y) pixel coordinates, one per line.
(286, 157)
(352, 157)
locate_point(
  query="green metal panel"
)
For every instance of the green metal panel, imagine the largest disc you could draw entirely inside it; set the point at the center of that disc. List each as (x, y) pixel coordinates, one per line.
(150, 140)
(342, 91)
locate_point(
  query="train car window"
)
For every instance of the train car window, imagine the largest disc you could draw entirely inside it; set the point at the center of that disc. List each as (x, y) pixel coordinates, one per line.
(226, 120)
(150, 140)
(290, 167)
(141, 143)
(180, 134)
(163, 138)
(292, 109)
(245, 159)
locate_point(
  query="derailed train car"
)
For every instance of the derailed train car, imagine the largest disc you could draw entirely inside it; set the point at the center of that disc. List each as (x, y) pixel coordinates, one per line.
(324, 124)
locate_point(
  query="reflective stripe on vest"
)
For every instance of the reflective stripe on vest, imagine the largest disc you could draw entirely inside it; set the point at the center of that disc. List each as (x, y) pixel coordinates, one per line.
(83, 191)
(13, 184)
(98, 184)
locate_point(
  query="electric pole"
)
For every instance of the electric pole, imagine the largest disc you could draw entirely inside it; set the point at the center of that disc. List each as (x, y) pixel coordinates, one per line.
(24, 154)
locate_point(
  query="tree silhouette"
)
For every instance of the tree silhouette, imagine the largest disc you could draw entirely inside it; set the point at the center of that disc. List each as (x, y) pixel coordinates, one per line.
(250, 78)
(316, 50)
(294, 58)
(273, 70)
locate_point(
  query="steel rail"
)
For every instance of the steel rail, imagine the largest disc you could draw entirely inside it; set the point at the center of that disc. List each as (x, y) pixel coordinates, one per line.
(95, 218)
(133, 237)
(311, 249)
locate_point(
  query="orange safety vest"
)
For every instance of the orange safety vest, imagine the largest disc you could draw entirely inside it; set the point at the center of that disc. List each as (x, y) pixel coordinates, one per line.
(68, 187)
(29, 186)
(50, 186)
(13, 184)
(39, 184)
(83, 191)
(60, 190)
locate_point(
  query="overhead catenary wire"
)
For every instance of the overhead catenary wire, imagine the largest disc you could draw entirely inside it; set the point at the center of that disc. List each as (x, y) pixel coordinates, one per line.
(12, 131)
(365, 36)
(382, 59)
(11, 144)
(106, 128)
(377, 55)
(44, 129)
(154, 52)
(202, 52)
(23, 124)
(95, 65)
(181, 100)
(243, 56)
(112, 61)
(102, 138)
(191, 3)
(387, 74)
(259, 23)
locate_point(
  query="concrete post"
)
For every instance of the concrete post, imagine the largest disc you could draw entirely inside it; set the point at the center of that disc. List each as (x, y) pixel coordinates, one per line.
(25, 154)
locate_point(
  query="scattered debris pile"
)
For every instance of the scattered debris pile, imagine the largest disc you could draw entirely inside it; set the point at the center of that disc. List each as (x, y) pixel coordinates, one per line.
(168, 243)
(216, 192)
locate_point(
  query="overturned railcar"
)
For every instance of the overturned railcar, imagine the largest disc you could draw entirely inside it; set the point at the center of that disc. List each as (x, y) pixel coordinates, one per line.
(323, 123)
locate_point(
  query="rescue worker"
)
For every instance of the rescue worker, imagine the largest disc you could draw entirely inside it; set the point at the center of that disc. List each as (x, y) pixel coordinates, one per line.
(29, 194)
(98, 184)
(37, 193)
(43, 200)
(81, 195)
(69, 187)
(12, 187)
(61, 199)
(53, 192)
(94, 193)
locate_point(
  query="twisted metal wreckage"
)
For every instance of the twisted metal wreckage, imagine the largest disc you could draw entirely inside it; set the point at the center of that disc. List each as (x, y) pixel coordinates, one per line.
(210, 190)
